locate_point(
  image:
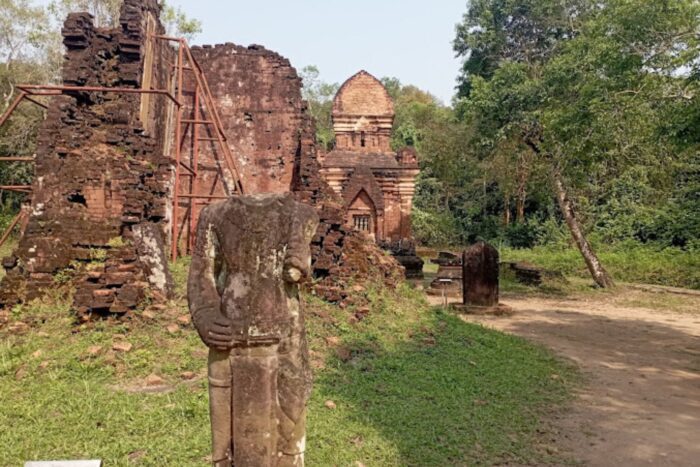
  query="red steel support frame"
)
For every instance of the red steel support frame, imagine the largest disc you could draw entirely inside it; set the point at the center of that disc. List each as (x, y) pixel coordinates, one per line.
(174, 236)
(202, 100)
(194, 186)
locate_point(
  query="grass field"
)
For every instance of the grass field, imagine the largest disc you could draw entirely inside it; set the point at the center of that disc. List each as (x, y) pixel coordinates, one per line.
(629, 262)
(411, 385)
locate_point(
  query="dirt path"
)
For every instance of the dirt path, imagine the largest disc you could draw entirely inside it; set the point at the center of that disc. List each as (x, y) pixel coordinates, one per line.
(641, 401)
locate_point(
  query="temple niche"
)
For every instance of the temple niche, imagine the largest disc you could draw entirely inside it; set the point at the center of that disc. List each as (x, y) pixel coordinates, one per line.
(376, 182)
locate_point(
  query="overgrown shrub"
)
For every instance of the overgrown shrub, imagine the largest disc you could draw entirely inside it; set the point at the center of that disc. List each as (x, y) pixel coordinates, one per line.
(434, 229)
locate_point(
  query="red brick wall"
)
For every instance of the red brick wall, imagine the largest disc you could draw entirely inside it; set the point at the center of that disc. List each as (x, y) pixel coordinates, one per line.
(99, 172)
(258, 95)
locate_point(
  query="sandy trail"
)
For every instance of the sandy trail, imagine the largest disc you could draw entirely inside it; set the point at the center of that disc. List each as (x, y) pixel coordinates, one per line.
(641, 401)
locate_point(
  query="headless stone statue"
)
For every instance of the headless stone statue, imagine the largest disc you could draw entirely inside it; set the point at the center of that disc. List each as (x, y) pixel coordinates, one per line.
(251, 252)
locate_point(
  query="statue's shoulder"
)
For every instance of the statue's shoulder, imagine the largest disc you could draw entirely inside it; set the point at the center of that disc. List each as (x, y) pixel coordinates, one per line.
(304, 210)
(221, 208)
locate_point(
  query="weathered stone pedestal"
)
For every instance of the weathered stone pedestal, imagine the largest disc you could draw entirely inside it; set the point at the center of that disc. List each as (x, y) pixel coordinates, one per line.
(480, 269)
(250, 255)
(447, 282)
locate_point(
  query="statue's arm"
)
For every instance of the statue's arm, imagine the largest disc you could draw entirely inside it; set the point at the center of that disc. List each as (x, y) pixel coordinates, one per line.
(298, 258)
(203, 297)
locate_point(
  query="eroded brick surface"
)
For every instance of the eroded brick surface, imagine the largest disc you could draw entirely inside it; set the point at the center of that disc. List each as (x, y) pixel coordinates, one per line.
(100, 172)
(103, 192)
(376, 183)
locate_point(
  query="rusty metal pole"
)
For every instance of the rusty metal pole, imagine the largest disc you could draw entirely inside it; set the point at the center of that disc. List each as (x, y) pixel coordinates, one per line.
(12, 226)
(12, 107)
(208, 101)
(178, 154)
(194, 186)
(56, 90)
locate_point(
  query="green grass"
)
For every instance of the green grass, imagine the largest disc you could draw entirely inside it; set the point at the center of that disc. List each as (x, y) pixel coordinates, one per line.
(413, 385)
(429, 389)
(629, 262)
(64, 402)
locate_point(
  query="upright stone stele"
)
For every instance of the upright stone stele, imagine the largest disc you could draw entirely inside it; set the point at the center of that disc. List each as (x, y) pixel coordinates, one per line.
(251, 253)
(480, 276)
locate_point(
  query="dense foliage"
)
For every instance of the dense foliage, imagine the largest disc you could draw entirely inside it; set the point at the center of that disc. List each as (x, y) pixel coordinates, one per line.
(607, 91)
(590, 104)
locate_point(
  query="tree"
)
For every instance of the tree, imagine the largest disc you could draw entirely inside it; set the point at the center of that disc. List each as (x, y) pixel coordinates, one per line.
(523, 31)
(106, 14)
(23, 34)
(593, 110)
(507, 45)
(177, 23)
(319, 96)
(495, 33)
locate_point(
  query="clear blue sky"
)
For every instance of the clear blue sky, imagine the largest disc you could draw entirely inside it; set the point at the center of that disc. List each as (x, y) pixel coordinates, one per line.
(407, 39)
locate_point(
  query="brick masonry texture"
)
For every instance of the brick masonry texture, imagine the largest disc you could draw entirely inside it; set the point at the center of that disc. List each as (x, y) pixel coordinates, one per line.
(101, 208)
(100, 172)
(376, 183)
(258, 95)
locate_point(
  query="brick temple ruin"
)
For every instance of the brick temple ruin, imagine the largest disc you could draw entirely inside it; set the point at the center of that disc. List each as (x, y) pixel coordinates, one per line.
(376, 183)
(122, 173)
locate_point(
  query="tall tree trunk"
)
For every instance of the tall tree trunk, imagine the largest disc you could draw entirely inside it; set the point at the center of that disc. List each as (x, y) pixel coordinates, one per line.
(524, 167)
(600, 275)
(520, 205)
(506, 210)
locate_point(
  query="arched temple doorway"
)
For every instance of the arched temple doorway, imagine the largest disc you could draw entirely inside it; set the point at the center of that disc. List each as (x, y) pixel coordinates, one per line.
(362, 214)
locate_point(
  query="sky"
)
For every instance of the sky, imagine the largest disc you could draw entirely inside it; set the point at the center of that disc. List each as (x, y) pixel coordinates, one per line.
(407, 39)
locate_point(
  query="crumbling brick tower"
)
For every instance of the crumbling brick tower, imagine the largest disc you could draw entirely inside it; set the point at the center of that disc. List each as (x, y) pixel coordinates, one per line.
(376, 182)
(103, 179)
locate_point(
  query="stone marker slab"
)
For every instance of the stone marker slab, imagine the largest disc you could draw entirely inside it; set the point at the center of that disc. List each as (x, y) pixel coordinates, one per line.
(480, 275)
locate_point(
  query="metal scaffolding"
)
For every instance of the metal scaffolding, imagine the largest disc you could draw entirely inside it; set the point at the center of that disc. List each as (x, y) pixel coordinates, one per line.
(203, 113)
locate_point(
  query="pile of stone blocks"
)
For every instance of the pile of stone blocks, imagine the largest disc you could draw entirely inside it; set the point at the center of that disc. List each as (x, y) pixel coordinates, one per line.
(448, 281)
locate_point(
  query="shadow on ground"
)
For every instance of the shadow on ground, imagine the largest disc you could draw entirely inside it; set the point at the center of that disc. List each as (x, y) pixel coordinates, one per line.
(451, 393)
